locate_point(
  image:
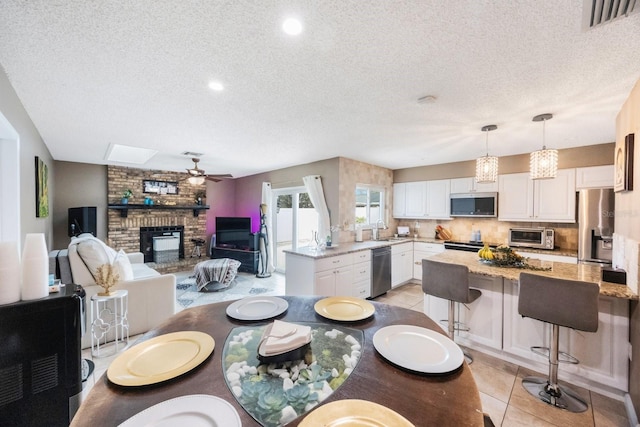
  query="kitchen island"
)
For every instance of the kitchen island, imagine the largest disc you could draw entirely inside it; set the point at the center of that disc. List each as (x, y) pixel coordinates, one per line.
(583, 272)
(497, 328)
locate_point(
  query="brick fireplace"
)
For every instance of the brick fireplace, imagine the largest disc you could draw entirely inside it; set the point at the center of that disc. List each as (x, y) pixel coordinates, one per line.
(125, 232)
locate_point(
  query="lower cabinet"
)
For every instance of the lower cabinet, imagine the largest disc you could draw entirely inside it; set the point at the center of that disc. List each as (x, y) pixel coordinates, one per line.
(422, 250)
(334, 281)
(346, 275)
(401, 263)
(483, 317)
(361, 287)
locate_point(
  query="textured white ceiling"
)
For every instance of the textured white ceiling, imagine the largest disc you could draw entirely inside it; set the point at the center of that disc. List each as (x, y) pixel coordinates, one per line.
(95, 72)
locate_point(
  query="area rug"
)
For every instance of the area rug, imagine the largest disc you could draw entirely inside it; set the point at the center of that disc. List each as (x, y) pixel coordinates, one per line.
(243, 285)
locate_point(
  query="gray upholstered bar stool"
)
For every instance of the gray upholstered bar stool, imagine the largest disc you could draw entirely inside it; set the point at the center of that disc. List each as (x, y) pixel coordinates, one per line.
(569, 303)
(450, 282)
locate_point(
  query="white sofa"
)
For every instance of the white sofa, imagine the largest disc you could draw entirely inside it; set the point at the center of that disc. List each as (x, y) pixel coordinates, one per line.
(152, 296)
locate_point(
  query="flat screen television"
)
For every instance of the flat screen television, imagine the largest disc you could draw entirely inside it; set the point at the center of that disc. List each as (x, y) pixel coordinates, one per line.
(235, 233)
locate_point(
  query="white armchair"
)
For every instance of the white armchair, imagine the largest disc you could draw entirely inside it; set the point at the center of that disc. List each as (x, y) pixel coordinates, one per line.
(152, 296)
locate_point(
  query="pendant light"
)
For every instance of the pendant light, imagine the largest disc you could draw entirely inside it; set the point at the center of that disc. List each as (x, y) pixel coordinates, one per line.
(487, 166)
(543, 163)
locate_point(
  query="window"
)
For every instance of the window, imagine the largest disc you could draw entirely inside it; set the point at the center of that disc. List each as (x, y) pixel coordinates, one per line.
(369, 205)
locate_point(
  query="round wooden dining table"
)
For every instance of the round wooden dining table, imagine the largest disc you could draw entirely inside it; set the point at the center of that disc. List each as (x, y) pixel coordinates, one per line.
(450, 399)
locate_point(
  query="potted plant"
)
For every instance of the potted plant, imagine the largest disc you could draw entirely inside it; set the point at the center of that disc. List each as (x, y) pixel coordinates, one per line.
(198, 196)
(125, 196)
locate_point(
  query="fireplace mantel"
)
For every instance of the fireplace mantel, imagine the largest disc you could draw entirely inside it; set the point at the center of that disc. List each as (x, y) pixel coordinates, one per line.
(124, 209)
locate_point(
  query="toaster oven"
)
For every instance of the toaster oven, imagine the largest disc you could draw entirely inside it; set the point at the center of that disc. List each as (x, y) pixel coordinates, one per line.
(539, 238)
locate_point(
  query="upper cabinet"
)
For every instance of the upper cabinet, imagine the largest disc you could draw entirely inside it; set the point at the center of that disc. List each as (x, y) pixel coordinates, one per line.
(595, 177)
(423, 199)
(469, 185)
(546, 200)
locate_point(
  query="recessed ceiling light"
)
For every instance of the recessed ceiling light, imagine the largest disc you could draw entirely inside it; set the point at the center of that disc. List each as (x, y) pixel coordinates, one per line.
(217, 86)
(292, 26)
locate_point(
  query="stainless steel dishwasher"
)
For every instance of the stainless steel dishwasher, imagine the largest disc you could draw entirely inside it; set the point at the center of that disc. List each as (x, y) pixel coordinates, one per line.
(380, 271)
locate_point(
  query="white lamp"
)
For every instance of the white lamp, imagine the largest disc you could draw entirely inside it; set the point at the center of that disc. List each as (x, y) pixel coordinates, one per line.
(487, 166)
(543, 163)
(196, 180)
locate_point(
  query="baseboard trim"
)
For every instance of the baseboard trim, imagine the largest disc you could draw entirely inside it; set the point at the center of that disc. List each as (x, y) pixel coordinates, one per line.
(631, 412)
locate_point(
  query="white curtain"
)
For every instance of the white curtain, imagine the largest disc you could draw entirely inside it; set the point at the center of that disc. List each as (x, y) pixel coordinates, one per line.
(313, 184)
(266, 200)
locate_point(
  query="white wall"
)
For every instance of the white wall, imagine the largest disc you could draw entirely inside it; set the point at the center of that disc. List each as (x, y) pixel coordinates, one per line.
(30, 145)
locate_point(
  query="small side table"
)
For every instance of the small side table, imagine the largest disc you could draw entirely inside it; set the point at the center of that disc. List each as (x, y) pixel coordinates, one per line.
(109, 323)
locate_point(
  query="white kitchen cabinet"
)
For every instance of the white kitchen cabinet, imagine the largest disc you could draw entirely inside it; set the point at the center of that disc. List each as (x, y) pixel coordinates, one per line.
(361, 286)
(595, 177)
(416, 199)
(422, 250)
(521, 333)
(322, 276)
(483, 317)
(602, 354)
(546, 200)
(410, 199)
(401, 263)
(438, 199)
(469, 185)
(399, 198)
(421, 199)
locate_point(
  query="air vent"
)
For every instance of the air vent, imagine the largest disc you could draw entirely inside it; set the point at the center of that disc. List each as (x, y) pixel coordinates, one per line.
(192, 154)
(598, 12)
(44, 374)
(10, 384)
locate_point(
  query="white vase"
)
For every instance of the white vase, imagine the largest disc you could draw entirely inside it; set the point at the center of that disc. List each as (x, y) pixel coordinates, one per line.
(35, 267)
(9, 272)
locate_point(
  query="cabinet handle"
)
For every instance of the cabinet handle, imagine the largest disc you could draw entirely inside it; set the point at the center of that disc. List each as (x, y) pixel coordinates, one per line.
(335, 262)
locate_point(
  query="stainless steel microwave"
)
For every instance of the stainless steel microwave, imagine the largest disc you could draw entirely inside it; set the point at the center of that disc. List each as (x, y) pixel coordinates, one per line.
(540, 238)
(474, 204)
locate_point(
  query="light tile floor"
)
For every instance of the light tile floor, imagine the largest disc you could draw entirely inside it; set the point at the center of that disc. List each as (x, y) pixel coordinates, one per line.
(499, 382)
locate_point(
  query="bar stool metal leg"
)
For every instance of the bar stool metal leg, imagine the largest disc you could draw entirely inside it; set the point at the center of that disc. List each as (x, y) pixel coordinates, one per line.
(451, 328)
(548, 390)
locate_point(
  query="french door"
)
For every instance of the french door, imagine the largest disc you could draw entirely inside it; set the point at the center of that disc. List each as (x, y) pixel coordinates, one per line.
(294, 222)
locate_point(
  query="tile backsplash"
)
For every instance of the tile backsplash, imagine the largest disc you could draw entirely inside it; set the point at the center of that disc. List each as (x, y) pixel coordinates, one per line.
(492, 230)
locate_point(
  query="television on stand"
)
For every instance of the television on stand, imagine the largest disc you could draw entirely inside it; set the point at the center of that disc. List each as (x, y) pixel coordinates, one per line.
(235, 233)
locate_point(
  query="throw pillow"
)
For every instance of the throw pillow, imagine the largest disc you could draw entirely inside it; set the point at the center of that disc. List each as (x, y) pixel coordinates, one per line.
(93, 254)
(122, 266)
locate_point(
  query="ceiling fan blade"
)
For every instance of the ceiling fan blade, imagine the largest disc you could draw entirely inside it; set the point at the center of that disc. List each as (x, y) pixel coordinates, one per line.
(222, 175)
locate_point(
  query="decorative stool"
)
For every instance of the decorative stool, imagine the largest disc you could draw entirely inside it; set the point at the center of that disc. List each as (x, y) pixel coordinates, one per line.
(450, 282)
(196, 249)
(569, 303)
(215, 274)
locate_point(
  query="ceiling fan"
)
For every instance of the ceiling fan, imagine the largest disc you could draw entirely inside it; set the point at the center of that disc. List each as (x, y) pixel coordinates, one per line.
(198, 176)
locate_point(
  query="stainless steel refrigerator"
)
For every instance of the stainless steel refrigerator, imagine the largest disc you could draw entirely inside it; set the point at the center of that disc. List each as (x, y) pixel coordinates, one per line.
(595, 225)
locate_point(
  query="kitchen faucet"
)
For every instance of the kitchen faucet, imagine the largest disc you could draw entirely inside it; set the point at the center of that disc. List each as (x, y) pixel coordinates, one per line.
(376, 230)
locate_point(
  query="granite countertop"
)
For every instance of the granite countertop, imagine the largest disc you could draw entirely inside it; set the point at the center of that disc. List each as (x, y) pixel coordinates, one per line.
(584, 272)
(347, 248)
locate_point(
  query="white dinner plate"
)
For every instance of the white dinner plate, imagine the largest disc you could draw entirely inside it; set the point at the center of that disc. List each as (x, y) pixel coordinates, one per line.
(257, 308)
(195, 410)
(418, 349)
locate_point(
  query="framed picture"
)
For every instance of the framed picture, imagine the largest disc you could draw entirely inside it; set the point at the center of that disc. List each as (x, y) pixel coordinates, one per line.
(624, 165)
(160, 187)
(42, 189)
